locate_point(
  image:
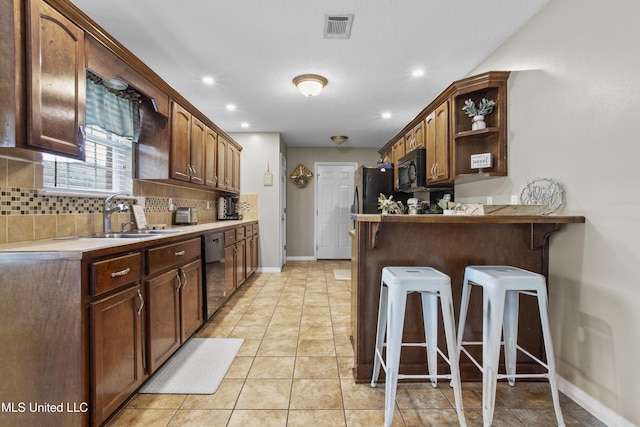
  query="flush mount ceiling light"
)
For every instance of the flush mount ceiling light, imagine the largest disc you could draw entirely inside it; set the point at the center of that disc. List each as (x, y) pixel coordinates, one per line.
(310, 84)
(339, 139)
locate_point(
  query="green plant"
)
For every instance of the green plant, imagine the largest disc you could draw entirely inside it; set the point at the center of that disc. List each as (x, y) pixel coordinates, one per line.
(484, 107)
(385, 204)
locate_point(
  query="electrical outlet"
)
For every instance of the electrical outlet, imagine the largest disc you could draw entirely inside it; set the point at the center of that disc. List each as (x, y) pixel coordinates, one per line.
(489, 200)
(514, 199)
(170, 205)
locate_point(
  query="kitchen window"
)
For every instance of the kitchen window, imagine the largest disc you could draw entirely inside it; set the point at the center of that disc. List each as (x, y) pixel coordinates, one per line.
(112, 128)
(108, 166)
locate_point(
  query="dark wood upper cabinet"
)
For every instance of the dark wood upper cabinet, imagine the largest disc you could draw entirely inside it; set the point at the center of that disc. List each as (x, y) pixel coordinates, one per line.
(56, 85)
(180, 142)
(210, 147)
(197, 151)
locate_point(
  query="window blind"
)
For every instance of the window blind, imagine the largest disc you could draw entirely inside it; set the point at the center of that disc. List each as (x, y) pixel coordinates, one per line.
(107, 167)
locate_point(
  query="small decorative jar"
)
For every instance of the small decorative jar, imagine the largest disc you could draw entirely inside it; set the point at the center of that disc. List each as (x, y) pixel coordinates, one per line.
(478, 123)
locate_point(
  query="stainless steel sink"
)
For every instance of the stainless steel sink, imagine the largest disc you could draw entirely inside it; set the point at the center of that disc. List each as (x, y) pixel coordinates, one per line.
(134, 234)
(127, 235)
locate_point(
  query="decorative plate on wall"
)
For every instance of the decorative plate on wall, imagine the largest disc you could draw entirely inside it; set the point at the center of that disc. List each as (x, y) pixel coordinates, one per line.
(301, 176)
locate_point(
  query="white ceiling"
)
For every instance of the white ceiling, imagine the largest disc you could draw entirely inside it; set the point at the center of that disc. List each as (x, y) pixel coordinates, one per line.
(254, 48)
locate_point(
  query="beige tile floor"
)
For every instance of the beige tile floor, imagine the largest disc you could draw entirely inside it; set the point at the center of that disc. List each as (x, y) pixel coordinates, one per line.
(294, 369)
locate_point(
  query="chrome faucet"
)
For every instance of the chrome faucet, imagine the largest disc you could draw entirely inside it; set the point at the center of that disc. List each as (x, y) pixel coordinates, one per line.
(107, 210)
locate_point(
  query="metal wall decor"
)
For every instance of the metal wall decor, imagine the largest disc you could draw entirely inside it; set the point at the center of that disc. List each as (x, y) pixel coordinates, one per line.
(301, 176)
(542, 191)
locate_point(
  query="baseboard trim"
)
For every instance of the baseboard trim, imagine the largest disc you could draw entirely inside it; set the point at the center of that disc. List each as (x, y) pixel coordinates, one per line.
(301, 258)
(268, 270)
(591, 404)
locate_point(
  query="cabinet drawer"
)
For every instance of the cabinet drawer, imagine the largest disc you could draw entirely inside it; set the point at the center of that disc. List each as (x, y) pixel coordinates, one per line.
(248, 230)
(114, 272)
(240, 233)
(169, 256)
(229, 237)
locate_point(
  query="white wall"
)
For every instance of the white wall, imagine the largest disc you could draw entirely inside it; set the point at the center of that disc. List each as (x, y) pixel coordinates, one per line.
(258, 150)
(573, 114)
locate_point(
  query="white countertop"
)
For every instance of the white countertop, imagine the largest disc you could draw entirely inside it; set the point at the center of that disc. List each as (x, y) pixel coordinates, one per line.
(74, 247)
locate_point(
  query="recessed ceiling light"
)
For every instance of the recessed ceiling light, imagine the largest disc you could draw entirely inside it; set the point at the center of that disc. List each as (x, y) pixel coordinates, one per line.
(417, 73)
(244, 124)
(231, 107)
(208, 80)
(386, 115)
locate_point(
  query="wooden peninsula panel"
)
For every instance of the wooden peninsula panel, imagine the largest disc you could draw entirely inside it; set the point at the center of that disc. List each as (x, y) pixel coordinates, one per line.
(449, 244)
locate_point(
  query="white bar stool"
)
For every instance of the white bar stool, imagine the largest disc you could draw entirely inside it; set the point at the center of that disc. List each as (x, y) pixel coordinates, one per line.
(501, 287)
(397, 282)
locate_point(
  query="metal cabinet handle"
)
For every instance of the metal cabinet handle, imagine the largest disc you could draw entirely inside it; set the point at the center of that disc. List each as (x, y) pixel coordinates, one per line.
(121, 272)
(180, 253)
(184, 284)
(179, 281)
(141, 302)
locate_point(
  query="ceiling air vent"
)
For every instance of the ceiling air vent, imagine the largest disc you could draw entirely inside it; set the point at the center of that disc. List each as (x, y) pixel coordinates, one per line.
(337, 26)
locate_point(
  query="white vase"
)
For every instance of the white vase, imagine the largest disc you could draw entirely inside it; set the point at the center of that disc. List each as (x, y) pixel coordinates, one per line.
(478, 123)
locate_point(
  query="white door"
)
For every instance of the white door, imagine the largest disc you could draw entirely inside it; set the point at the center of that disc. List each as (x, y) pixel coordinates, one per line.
(283, 209)
(334, 195)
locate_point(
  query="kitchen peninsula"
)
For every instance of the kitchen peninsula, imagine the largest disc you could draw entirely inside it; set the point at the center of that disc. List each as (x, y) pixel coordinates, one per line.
(448, 243)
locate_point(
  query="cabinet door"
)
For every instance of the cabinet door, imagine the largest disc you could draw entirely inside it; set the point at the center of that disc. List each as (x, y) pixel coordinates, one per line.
(163, 308)
(442, 142)
(437, 143)
(228, 176)
(210, 147)
(230, 255)
(56, 84)
(221, 163)
(117, 349)
(235, 176)
(190, 298)
(180, 142)
(197, 154)
(241, 267)
(254, 254)
(418, 135)
(398, 151)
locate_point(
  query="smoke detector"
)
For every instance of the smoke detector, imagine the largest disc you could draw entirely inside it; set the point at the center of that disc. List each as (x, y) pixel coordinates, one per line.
(337, 26)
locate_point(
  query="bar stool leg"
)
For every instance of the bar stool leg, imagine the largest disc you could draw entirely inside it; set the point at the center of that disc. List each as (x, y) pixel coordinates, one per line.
(464, 305)
(453, 352)
(395, 323)
(510, 330)
(430, 319)
(382, 325)
(491, 339)
(548, 345)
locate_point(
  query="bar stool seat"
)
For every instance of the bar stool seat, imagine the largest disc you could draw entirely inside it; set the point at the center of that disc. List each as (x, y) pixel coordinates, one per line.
(396, 283)
(501, 287)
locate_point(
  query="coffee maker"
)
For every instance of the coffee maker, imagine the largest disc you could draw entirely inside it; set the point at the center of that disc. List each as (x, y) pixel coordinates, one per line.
(227, 208)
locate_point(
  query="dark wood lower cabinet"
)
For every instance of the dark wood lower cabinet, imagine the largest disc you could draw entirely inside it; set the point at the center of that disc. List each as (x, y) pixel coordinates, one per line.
(117, 365)
(190, 299)
(164, 317)
(86, 332)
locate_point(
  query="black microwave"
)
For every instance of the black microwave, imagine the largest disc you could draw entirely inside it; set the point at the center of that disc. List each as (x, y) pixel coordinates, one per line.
(412, 171)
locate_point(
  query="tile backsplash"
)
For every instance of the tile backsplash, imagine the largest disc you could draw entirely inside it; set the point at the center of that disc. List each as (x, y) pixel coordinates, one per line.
(27, 213)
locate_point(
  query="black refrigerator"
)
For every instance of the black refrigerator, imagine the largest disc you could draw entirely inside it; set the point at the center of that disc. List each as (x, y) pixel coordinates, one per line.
(369, 183)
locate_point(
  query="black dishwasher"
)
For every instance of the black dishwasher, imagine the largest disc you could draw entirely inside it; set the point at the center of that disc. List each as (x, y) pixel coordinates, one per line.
(213, 288)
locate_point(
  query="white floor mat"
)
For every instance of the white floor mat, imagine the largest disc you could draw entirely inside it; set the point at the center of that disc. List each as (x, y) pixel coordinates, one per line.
(197, 367)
